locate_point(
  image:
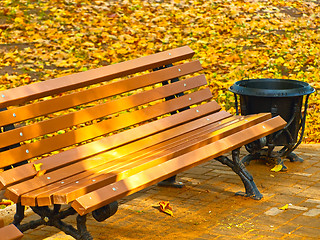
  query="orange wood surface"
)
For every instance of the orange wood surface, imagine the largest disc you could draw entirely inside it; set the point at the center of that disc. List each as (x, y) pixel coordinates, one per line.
(50, 163)
(100, 110)
(117, 158)
(17, 190)
(57, 142)
(54, 86)
(42, 108)
(184, 141)
(136, 164)
(129, 185)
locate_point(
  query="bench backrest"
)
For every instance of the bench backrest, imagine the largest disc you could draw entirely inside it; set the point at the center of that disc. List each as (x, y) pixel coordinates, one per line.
(53, 116)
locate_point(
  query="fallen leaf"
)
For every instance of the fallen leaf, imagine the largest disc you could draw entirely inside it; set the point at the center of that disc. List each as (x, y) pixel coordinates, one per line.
(285, 207)
(6, 202)
(40, 173)
(277, 168)
(37, 167)
(165, 207)
(4, 26)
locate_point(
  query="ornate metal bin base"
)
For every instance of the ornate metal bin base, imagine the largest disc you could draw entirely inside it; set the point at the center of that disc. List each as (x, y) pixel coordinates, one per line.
(287, 98)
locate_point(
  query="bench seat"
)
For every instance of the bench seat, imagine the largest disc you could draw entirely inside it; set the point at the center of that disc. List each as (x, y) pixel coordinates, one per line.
(89, 139)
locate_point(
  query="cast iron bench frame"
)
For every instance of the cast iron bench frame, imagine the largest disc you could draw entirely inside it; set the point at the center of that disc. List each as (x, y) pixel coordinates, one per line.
(135, 132)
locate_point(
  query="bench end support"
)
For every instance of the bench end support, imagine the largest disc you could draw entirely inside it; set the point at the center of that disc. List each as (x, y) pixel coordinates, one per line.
(239, 168)
(105, 212)
(171, 182)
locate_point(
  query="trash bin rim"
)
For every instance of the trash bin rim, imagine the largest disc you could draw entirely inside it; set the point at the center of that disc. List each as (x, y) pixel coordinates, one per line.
(240, 87)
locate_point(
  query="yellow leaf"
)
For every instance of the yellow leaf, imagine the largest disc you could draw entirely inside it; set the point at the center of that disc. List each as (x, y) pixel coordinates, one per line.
(165, 207)
(277, 168)
(19, 20)
(37, 167)
(88, 44)
(279, 60)
(285, 207)
(6, 202)
(40, 173)
(122, 51)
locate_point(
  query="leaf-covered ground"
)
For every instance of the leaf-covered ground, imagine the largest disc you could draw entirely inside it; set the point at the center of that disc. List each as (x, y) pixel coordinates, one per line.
(43, 39)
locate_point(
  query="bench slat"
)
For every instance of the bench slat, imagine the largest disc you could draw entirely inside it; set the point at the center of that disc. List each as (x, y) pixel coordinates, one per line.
(134, 163)
(161, 152)
(45, 193)
(113, 159)
(17, 190)
(22, 94)
(101, 110)
(50, 163)
(42, 108)
(134, 183)
(35, 149)
(10, 232)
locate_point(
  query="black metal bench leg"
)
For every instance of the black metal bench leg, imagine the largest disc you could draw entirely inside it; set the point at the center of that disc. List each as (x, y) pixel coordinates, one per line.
(53, 217)
(82, 228)
(171, 182)
(238, 167)
(294, 157)
(19, 215)
(81, 233)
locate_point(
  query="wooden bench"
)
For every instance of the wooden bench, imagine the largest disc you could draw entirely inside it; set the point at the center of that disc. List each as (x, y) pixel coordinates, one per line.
(91, 138)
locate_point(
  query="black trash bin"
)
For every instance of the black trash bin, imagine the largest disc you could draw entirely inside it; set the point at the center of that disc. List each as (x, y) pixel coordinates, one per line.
(280, 97)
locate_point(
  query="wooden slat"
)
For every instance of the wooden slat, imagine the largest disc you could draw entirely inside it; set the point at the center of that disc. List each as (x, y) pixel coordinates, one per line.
(42, 108)
(42, 196)
(17, 190)
(50, 87)
(122, 155)
(72, 119)
(10, 232)
(35, 149)
(115, 191)
(134, 163)
(27, 171)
